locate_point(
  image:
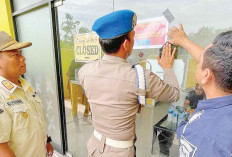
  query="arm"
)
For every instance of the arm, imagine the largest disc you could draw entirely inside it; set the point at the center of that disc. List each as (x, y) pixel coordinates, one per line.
(5, 150)
(178, 37)
(5, 132)
(167, 89)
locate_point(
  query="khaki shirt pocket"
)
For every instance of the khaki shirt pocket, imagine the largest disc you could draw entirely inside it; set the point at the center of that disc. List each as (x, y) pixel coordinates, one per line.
(20, 116)
(20, 108)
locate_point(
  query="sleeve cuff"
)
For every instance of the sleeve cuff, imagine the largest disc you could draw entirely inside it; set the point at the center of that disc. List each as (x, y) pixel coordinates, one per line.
(4, 138)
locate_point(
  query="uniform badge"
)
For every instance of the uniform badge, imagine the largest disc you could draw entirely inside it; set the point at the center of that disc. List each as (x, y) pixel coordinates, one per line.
(134, 21)
(7, 84)
(1, 111)
(186, 149)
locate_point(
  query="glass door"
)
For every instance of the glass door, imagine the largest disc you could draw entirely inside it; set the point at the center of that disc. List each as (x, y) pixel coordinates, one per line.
(75, 21)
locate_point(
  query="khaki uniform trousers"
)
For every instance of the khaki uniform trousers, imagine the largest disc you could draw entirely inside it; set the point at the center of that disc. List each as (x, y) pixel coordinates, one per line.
(98, 148)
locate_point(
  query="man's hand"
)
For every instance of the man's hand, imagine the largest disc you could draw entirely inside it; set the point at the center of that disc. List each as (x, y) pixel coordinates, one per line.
(167, 57)
(178, 36)
(49, 149)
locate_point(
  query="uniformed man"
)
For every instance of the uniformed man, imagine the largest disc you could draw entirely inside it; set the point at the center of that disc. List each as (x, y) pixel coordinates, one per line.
(22, 125)
(110, 85)
(208, 132)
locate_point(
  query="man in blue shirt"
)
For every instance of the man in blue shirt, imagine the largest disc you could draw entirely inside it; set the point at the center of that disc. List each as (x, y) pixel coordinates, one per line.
(208, 133)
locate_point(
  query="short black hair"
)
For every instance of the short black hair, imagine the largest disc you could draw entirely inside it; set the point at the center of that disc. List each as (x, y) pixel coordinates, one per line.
(218, 58)
(113, 45)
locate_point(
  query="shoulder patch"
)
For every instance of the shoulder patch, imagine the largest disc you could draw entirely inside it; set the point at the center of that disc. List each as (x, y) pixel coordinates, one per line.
(7, 84)
(186, 149)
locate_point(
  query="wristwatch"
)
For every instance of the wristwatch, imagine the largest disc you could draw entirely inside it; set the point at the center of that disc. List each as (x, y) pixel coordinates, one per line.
(49, 139)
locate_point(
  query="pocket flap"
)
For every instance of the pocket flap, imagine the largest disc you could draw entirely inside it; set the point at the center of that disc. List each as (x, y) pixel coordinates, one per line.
(20, 108)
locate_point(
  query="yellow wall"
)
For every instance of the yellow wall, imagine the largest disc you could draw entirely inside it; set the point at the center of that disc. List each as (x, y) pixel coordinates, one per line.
(6, 21)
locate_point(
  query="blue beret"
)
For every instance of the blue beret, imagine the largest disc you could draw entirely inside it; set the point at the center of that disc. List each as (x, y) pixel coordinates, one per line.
(115, 24)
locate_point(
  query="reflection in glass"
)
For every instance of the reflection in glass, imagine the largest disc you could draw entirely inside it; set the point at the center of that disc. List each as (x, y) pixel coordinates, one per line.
(77, 17)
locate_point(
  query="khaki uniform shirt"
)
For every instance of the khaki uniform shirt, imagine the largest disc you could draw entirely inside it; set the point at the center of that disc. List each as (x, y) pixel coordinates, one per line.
(110, 85)
(22, 122)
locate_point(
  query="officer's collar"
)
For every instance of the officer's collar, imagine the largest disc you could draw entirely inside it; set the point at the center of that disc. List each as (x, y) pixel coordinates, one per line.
(10, 87)
(215, 102)
(24, 83)
(113, 58)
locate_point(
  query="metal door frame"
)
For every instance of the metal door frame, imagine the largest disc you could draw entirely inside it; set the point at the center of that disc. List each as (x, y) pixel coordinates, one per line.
(52, 4)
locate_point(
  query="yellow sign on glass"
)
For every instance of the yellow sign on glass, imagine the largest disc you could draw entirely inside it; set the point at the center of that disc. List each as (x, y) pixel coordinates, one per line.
(86, 47)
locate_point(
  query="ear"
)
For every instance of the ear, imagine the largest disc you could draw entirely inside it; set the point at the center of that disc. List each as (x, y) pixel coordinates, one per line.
(207, 76)
(125, 44)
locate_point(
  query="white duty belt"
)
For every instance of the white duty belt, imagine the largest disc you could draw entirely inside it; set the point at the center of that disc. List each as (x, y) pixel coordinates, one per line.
(141, 84)
(114, 143)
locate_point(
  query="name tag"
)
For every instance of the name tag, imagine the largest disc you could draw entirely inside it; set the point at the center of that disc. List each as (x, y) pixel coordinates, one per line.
(14, 102)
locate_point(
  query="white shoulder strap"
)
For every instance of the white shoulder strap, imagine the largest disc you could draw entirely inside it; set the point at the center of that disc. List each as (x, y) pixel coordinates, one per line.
(141, 84)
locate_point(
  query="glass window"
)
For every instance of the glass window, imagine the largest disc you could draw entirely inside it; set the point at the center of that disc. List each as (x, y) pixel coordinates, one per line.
(202, 21)
(20, 4)
(75, 21)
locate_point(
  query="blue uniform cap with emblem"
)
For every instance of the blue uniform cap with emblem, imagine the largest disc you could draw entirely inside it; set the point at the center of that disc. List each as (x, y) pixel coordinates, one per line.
(115, 24)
